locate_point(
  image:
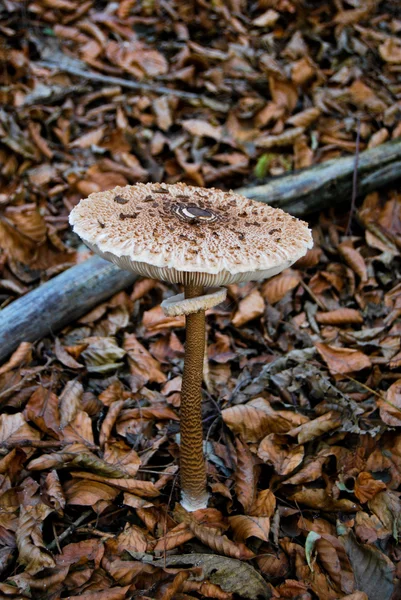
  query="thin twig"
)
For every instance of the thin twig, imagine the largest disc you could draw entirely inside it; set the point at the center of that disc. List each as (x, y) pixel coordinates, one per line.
(69, 530)
(111, 80)
(354, 178)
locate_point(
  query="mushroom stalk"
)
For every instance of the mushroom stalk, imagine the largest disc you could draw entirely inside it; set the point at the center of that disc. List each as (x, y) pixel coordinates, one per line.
(192, 462)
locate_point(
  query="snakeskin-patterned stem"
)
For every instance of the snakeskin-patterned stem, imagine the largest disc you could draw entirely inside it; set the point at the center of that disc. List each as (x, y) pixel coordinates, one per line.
(192, 462)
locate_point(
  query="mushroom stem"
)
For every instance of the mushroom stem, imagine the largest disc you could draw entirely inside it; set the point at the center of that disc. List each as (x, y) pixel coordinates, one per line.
(192, 463)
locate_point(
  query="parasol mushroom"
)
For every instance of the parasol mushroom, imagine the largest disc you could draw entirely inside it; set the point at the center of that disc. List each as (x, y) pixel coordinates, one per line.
(200, 238)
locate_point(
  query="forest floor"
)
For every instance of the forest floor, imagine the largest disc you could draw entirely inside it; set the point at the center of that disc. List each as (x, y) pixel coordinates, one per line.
(302, 411)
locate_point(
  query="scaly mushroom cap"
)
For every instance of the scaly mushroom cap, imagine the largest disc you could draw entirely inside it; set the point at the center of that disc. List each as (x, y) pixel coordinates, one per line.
(190, 235)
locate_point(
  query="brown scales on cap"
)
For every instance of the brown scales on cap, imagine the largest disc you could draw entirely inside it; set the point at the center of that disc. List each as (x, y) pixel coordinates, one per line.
(209, 220)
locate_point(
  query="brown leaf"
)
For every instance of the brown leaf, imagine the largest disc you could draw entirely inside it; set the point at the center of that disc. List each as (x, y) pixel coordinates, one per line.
(64, 357)
(42, 409)
(275, 450)
(341, 316)
(144, 368)
(174, 538)
(277, 287)
(390, 51)
(390, 410)
(32, 551)
(135, 486)
(304, 118)
(155, 321)
(122, 456)
(366, 486)
(201, 128)
(334, 560)
(254, 420)
(354, 259)
(79, 430)
(251, 307)
(132, 538)
(287, 138)
(264, 504)
(14, 428)
(21, 356)
(343, 360)
(245, 526)
(319, 426)
(319, 499)
(93, 138)
(89, 493)
(54, 491)
(109, 421)
(245, 480)
(70, 402)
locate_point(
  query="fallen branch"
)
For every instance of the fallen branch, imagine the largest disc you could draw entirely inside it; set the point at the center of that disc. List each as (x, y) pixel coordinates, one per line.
(73, 293)
(59, 302)
(331, 182)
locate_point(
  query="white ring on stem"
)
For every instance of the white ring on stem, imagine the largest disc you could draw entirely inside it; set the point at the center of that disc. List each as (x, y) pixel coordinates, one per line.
(179, 305)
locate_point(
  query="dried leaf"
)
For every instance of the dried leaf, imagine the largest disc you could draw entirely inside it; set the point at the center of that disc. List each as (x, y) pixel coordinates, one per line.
(245, 481)
(275, 450)
(390, 410)
(341, 316)
(32, 551)
(343, 360)
(70, 402)
(276, 288)
(231, 575)
(54, 491)
(245, 526)
(14, 429)
(21, 356)
(354, 259)
(366, 487)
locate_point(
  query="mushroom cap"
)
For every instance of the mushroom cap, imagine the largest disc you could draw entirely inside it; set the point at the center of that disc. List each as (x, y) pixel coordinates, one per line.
(184, 234)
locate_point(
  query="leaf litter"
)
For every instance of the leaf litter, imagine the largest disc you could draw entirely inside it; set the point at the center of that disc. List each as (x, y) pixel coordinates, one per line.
(302, 407)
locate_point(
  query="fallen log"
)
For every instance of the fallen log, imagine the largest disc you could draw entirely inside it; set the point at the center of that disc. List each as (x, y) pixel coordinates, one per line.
(60, 301)
(73, 293)
(318, 187)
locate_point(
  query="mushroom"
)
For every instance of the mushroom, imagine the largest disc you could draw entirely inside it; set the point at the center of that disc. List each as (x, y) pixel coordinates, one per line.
(200, 238)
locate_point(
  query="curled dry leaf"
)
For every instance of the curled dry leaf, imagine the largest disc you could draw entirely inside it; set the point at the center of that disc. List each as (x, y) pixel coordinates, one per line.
(64, 357)
(366, 486)
(245, 481)
(304, 118)
(174, 538)
(14, 429)
(277, 287)
(390, 409)
(313, 429)
(144, 368)
(54, 491)
(108, 423)
(276, 450)
(319, 499)
(254, 420)
(102, 355)
(264, 504)
(245, 526)
(21, 356)
(135, 486)
(333, 558)
(287, 138)
(343, 360)
(70, 402)
(341, 316)
(31, 548)
(251, 307)
(42, 409)
(354, 259)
